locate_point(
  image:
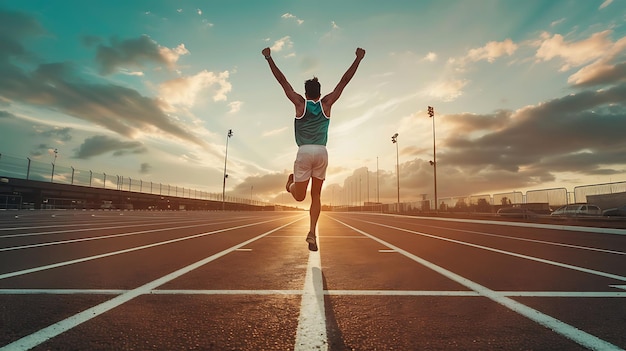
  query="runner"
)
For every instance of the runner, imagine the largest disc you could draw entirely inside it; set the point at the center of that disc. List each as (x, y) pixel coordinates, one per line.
(311, 132)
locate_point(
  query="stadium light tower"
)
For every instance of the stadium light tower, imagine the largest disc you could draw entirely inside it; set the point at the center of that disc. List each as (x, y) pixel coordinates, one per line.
(56, 152)
(394, 139)
(230, 134)
(431, 114)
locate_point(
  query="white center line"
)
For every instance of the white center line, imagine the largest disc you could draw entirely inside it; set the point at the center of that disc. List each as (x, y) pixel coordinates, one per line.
(311, 333)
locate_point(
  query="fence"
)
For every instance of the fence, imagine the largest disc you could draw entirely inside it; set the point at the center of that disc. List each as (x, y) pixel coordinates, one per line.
(29, 169)
(15, 167)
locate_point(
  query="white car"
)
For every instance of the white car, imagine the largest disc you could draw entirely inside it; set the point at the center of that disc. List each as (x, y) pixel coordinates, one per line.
(576, 210)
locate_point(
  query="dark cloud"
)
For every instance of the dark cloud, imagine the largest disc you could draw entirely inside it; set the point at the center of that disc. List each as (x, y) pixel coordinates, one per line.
(5, 114)
(114, 107)
(62, 134)
(577, 133)
(56, 86)
(130, 52)
(145, 168)
(267, 184)
(91, 40)
(101, 144)
(13, 27)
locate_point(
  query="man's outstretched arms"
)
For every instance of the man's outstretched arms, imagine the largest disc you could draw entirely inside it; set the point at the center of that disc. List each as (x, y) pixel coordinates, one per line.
(294, 97)
(332, 97)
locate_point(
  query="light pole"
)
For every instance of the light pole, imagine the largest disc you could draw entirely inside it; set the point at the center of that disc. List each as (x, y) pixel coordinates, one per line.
(394, 139)
(230, 134)
(56, 151)
(431, 114)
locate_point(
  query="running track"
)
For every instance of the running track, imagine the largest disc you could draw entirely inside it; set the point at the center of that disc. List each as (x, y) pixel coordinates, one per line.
(246, 281)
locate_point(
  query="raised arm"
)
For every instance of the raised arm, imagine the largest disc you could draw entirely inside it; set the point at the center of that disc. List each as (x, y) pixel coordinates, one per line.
(332, 97)
(294, 97)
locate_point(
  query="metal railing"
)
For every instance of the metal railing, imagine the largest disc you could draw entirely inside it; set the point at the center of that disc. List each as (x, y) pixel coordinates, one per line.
(29, 169)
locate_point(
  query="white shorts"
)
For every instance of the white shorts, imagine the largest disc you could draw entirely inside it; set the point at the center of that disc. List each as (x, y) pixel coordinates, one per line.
(311, 161)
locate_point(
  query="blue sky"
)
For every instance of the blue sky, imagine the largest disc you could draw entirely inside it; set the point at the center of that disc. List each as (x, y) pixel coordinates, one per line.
(527, 95)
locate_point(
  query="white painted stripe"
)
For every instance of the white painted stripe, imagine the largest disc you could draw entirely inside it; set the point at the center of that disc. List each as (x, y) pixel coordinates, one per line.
(531, 258)
(514, 224)
(204, 224)
(61, 291)
(587, 248)
(226, 292)
(89, 258)
(311, 332)
(55, 329)
(96, 226)
(386, 251)
(603, 294)
(583, 338)
(244, 250)
(400, 293)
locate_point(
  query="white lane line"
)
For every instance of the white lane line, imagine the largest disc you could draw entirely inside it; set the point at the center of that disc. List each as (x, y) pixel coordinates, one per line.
(311, 332)
(386, 251)
(226, 292)
(55, 329)
(585, 294)
(244, 250)
(202, 224)
(61, 292)
(89, 258)
(581, 337)
(587, 248)
(69, 241)
(531, 258)
(88, 228)
(571, 228)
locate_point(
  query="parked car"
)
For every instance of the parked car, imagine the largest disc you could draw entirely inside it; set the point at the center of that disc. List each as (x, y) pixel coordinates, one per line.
(515, 212)
(577, 210)
(617, 211)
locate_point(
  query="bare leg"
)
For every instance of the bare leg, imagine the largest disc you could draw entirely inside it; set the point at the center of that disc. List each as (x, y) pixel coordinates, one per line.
(298, 190)
(316, 203)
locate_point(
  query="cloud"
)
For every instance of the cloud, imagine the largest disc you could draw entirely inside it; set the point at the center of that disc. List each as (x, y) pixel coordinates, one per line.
(431, 57)
(608, 69)
(290, 16)
(282, 43)
(235, 106)
(5, 114)
(573, 53)
(492, 50)
(101, 144)
(264, 186)
(119, 109)
(62, 134)
(549, 137)
(446, 90)
(15, 26)
(605, 4)
(136, 53)
(183, 91)
(145, 168)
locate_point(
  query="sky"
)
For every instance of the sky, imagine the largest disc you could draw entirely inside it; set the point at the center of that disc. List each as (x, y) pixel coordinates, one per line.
(527, 94)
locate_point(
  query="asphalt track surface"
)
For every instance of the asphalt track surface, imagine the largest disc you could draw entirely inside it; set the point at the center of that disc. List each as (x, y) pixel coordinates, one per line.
(246, 281)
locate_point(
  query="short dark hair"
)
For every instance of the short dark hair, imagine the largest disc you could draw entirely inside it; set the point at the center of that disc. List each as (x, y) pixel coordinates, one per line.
(312, 88)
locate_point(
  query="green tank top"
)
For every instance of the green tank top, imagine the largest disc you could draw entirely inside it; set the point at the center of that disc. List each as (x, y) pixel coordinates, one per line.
(312, 127)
